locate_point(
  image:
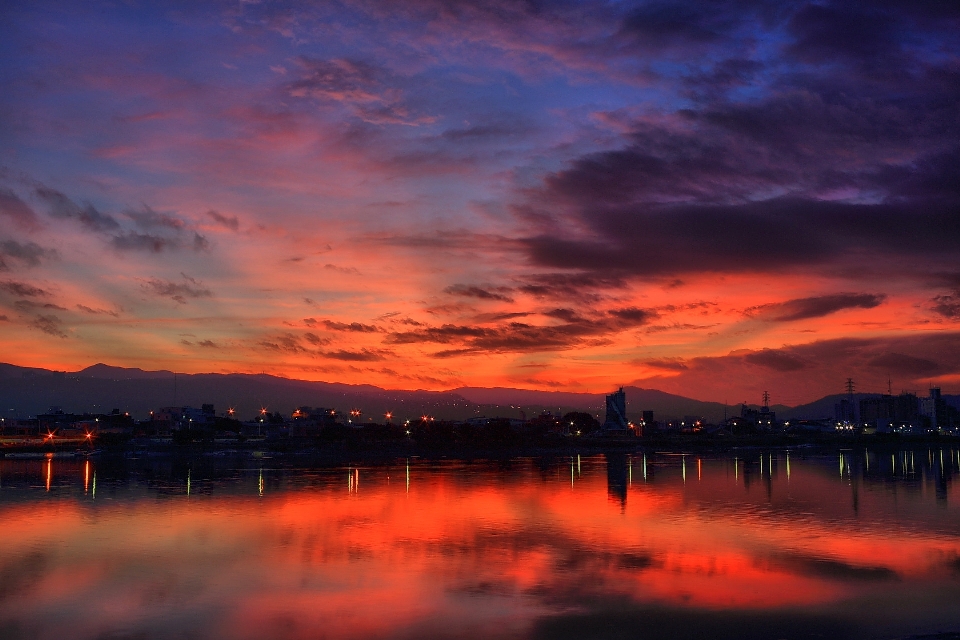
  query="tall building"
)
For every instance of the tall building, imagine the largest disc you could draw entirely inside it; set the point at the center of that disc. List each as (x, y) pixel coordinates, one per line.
(934, 410)
(616, 412)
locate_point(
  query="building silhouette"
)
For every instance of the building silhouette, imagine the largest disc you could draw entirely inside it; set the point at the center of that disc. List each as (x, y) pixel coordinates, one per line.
(616, 419)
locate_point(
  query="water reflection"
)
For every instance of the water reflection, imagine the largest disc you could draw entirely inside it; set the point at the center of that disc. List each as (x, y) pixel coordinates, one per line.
(617, 477)
(759, 544)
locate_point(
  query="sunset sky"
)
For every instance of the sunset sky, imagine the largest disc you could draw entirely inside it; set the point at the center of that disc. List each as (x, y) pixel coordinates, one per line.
(708, 198)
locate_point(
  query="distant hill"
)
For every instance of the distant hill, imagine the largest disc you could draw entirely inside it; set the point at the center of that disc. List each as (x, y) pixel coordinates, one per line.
(107, 372)
(664, 405)
(26, 391)
(823, 408)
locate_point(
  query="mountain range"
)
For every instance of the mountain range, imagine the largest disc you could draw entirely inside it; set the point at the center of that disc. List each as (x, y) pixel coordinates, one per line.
(26, 391)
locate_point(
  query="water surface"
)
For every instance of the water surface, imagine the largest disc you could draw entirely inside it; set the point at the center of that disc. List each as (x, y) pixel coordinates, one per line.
(849, 544)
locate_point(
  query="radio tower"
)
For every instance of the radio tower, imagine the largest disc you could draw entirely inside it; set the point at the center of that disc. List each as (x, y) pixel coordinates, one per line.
(851, 413)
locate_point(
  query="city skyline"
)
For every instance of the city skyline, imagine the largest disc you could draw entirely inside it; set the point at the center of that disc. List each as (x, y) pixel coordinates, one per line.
(710, 200)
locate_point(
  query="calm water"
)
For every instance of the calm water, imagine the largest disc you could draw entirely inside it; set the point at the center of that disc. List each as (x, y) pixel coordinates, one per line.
(767, 545)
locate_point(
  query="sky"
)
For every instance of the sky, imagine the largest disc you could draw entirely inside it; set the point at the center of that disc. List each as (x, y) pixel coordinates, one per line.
(708, 198)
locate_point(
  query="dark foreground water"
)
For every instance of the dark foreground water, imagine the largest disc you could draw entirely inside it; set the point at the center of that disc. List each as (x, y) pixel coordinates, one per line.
(846, 544)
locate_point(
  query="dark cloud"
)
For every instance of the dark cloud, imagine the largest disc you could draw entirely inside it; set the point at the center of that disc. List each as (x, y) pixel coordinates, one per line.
(92, 311)
(200, 243)
(482, 293)
(775, 359)
(678, 326)
(371, 92)
(816, 307)
(230, 222)
(314, 339)
(60, 206)
(670, 364)
(574, 330)
(29, 254)
(444, 334)
(28, 306)
(566, 285)
(347, 270)
(726, 75)
(909, 365)
(147, 218)
(492, 317)
(658, 25)
(156, 243)
(133, 241)
(828, 33)
(17, 211)
(851, 156)
(566, 315)
(177, 291)
(351, 326)
(633, 315)
(338, 80)
(363, 355)
(49, 324)
(22, 289)
(804, 372)
(768, 236)
(452, 240)
(284, 343)
(948, 306)
(154, 231)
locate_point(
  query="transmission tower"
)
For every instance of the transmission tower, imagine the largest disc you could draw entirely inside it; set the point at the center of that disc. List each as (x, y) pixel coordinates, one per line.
(766, 399)
(850, 387)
